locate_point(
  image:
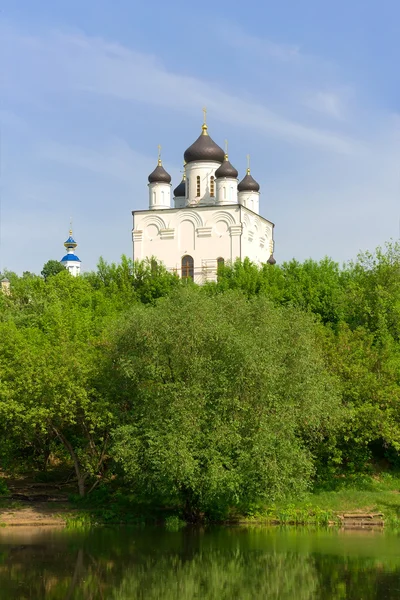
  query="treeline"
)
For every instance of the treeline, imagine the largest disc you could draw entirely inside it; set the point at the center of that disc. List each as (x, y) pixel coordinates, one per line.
(254, 388)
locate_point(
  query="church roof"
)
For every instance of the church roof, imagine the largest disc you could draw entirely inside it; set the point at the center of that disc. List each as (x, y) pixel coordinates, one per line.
(159, 175)
(226, 170)
(70, 242)
(271, 260)
(248, 184)
(71, 257)
(204, 149)
(180, 190)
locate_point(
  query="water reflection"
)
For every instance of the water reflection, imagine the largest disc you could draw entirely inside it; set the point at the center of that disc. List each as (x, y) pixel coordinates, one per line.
(219, 563)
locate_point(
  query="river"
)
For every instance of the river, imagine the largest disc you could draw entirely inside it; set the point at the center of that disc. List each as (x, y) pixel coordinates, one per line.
(218, 563)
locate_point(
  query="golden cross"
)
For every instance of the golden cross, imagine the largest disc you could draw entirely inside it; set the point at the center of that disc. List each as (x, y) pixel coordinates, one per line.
(248, 162)
(159, 151)
(205, 116)
(70, 226)
(226, 147)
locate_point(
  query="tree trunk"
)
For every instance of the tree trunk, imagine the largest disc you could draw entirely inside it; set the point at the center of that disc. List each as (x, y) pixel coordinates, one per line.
(79, 475)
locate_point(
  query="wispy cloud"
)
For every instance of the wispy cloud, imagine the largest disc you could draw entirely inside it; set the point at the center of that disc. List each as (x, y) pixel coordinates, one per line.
(76, 62)
(328, 103)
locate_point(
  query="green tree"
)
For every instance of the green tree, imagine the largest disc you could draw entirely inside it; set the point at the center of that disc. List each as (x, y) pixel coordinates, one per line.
(51, 352)
(52, 267)
(226, 399)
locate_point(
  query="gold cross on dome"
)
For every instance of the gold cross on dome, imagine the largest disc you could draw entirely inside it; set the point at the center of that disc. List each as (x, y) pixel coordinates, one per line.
(226, 147)
(248, 161)
(205, 115)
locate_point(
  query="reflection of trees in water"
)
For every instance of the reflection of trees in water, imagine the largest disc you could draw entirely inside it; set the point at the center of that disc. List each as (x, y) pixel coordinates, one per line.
(357, 578)
(218, 575)
(227, 564)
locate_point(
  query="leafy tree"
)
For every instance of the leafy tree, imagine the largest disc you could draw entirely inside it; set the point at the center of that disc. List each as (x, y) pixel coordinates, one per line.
(225, 398)
(52, 267)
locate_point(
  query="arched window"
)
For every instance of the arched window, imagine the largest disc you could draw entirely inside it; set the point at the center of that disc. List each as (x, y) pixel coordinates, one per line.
(198, 185)
(187, 267)
(212, 186)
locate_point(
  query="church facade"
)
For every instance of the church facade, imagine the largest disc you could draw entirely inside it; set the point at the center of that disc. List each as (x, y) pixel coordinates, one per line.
(213, 219)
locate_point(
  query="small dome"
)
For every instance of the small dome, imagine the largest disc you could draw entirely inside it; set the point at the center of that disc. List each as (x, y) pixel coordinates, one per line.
(204, 149)
(70, 242)
(180, 190)
(226, 170)
(248, 184)
(159, 175)
(70, 257)
(271, 260)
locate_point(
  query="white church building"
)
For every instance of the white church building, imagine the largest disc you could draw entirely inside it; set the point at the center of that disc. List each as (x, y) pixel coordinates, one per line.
(213, 219)
(70, 260)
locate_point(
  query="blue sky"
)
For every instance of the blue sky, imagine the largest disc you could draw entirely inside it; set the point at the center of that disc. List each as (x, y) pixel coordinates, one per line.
(88, 89)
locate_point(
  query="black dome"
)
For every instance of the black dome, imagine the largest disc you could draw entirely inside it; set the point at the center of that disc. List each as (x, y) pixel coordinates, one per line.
(159, 175)
(271, 260)
(180, 190)
(248, 184)
(226, 170)
(204, 148)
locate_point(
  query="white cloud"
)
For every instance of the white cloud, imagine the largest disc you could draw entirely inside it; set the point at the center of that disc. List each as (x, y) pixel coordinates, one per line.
(328, 103)
(59, 62)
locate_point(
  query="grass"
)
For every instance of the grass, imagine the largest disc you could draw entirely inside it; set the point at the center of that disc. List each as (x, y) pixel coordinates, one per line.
(360, 494)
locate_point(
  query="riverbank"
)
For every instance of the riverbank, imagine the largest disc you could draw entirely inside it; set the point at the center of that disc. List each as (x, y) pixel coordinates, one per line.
(376, 498)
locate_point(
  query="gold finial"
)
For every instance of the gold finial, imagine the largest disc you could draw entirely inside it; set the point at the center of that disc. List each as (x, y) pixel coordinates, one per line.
(248, 164)
(226, 149)
(159, 155)
(70, 226)
(204, 126)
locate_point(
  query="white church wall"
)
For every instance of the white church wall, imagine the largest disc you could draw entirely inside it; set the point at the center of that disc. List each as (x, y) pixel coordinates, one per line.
(257, 237)
(204, 233)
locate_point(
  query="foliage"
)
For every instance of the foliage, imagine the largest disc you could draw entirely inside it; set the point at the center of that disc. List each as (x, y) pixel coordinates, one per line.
(51, 268)
(223, 394)
(205, 400)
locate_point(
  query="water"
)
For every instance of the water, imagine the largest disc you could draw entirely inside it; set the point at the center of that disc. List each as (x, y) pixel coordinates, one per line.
(217, 563)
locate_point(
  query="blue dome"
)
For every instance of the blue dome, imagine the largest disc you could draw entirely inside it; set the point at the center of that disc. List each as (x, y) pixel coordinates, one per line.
(70, 257)
(70, 243)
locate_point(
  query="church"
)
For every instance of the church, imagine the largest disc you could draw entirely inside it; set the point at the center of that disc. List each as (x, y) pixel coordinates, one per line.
(214, 218)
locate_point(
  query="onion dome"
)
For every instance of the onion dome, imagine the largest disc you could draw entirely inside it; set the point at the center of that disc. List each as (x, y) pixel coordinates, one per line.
(180, 190)
(248, 184)
(204, 149)
(226, 170)
(271, 260)
(70, 242)
(159, 175)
